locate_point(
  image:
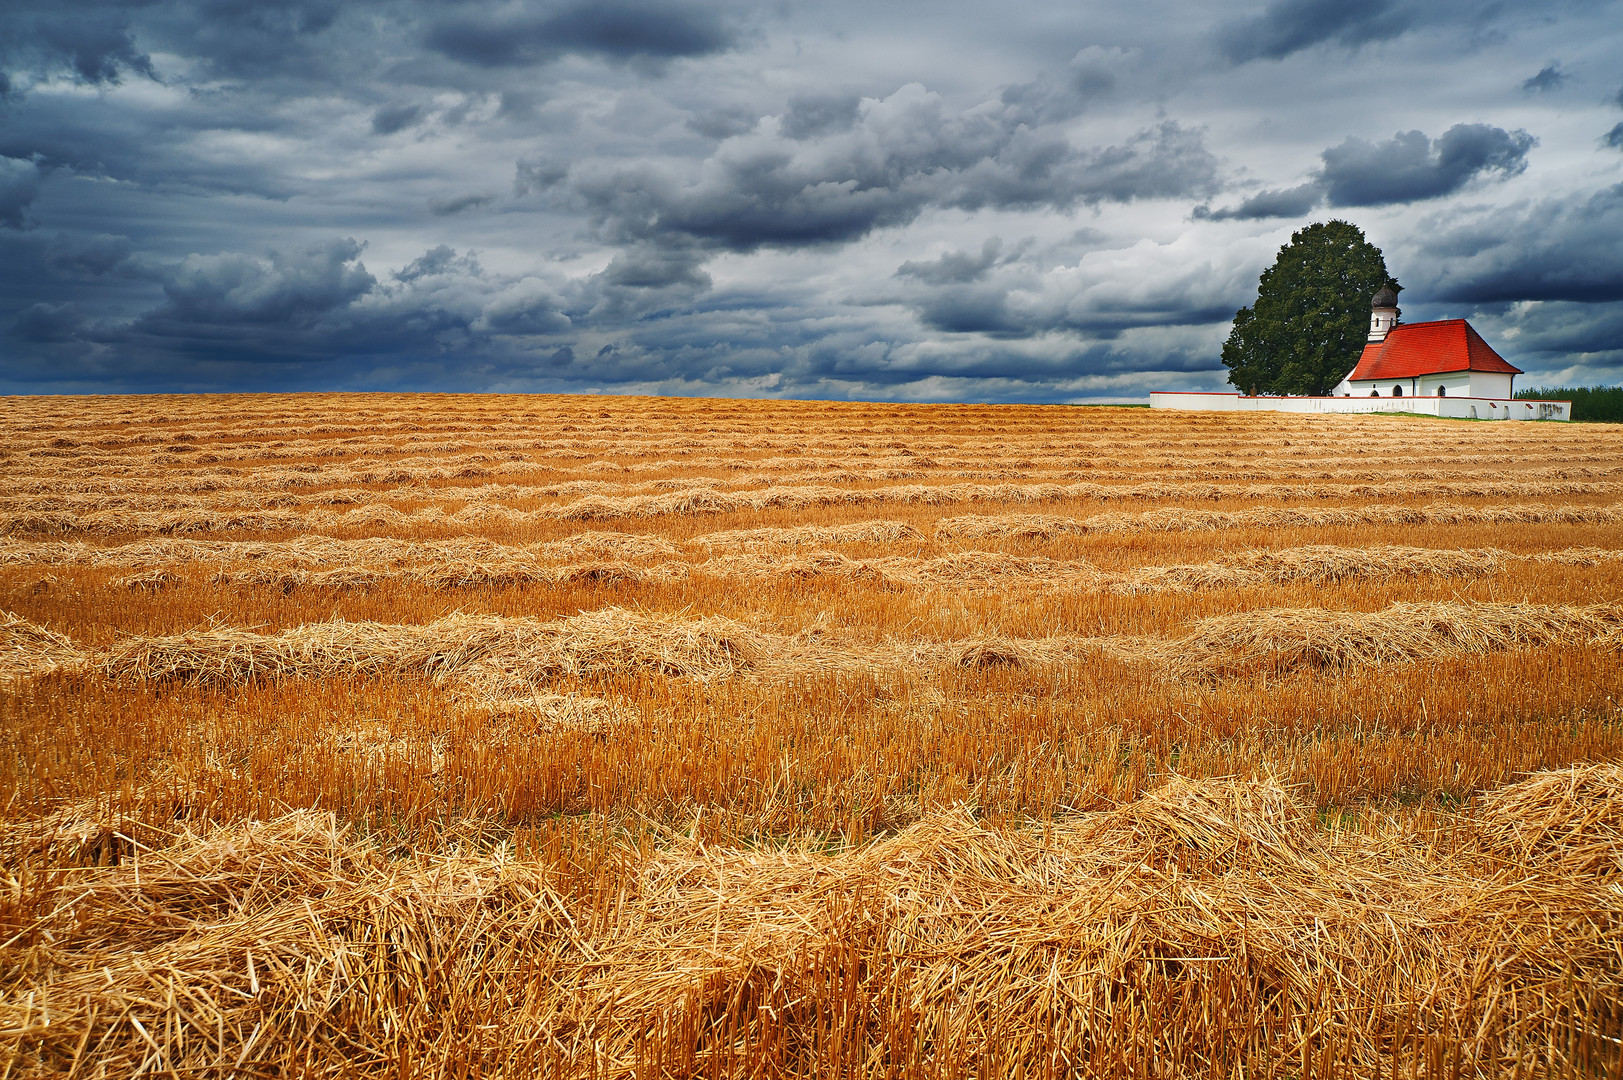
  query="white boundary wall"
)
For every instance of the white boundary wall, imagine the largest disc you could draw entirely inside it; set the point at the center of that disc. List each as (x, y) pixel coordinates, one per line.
(1459, 408)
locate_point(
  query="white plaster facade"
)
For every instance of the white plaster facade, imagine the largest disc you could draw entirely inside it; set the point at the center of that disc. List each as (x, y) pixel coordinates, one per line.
(1480, 384)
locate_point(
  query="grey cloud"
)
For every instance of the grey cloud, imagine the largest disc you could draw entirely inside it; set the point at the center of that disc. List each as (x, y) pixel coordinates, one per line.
(95, 45)
(1548, 78)
(651, 266)
(294, 289)
(1289, 26)
(455, 204)
(1410, 166)
(535, 176)
(248, 39)
(1094, 72)
(997, 311)
(1563, 331)
(812, 115)
(158, 149)
(615, 29)
(47, 323)
(528, 307)
(1614, 138)
(905, 153)
(1276, 203)
(19, 187)
(1407, 168)
(392, 118)
(1556, 250)
(724, 122)
(88, 257)
(955, 267)
(438, 261)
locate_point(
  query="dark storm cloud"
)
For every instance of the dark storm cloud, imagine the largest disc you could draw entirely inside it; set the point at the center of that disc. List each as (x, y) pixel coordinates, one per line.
(89, 257)
(537, 176)
(724, 122)
(1000, 313)
(614, 30)
(1548, 78)
(818, 114)
(48, 323)
(94, 43)
(955, 267)
(389, 119)
(158, 148)
(1557, 249)
(1276, 203)
(651, 266)
(455, 204)
(19, 187)
(244, 39)
(1556, 330)
(297, 288)
(437, 261)
(903, 154)
(1289, 26)
(1409, 166)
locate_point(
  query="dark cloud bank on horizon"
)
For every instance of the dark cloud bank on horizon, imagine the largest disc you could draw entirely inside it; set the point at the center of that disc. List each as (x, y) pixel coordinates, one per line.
(928, 202)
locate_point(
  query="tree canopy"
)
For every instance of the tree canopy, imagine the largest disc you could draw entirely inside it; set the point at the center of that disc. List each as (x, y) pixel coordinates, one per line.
(1311, 315)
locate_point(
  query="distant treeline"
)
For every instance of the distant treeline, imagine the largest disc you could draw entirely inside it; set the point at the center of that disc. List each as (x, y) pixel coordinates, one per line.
(1602, 404)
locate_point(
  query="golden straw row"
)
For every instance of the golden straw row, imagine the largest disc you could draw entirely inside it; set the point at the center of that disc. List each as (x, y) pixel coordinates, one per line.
(1208, 921)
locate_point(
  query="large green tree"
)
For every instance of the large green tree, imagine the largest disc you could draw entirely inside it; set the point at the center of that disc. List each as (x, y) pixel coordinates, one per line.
(1311, 317)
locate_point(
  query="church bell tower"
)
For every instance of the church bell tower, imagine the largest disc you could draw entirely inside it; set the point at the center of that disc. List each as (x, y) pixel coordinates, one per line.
(1383, 311)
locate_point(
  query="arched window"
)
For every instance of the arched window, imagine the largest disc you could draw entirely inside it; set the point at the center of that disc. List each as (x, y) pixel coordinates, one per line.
(1442, 391)
(1374, 393)
(1397, 391)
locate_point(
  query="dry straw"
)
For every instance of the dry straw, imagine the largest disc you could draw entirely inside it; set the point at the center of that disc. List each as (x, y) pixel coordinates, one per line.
(29, 649)
(479, 656)
(149, 581)
(1210, 926)
(1282, 640)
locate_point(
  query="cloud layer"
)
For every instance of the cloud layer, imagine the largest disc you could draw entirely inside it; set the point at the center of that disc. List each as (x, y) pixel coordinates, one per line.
(713, 197)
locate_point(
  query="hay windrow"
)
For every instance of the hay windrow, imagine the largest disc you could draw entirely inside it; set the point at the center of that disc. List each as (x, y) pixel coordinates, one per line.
(1319, 564)
(479, 656)
(861, 532)
(1281, 640)
(28, 649)
(1567, 820)
(279, 923)
(1184, 519)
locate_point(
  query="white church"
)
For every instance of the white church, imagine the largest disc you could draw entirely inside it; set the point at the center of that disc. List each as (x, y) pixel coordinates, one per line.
(1429, 359)
(1441, 368)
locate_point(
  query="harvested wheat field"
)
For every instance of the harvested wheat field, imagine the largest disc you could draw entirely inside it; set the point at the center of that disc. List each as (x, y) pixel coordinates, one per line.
(393, 736)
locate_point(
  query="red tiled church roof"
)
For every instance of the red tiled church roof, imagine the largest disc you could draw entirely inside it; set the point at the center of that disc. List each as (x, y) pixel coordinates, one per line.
(1429, 348)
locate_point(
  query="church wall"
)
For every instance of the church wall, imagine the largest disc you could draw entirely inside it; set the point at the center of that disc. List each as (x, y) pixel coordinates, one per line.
(1459, 408)
(1489, 384)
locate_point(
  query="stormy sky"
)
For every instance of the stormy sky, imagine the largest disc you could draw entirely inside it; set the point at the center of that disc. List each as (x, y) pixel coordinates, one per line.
(906, 200)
